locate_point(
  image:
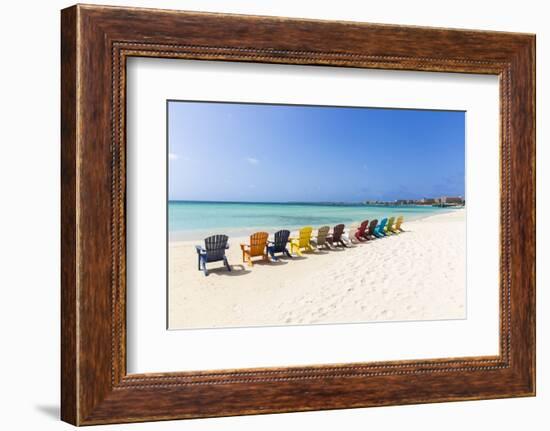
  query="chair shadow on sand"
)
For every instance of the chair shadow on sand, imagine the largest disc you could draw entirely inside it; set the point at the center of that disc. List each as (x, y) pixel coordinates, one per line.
(236, 271)
(296, 257)
(279, 262)
(338, 249)
(321, 252)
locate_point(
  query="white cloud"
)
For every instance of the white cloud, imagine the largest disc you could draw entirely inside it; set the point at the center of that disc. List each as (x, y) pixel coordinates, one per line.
(252, 160)
(173, 156)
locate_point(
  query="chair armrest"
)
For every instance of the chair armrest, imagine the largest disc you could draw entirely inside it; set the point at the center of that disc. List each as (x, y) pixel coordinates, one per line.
(200, 250)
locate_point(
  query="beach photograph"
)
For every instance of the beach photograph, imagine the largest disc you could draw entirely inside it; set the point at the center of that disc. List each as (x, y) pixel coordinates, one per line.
(304, 214)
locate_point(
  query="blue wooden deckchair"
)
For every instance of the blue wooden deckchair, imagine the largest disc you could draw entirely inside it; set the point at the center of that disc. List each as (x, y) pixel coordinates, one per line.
(213, 251)
(279, 244)
(369, 234)
(379, 230)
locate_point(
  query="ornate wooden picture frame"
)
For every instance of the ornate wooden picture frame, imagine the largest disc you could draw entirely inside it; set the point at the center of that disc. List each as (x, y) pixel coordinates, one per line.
(96, 41)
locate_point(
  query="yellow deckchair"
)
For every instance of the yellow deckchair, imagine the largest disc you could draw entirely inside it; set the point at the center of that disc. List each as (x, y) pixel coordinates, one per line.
(302, 242)
(397, 227)
(257, 247)
(389, 226)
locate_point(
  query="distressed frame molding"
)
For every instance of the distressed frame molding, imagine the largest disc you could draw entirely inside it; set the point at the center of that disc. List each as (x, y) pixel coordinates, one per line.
(96, 41)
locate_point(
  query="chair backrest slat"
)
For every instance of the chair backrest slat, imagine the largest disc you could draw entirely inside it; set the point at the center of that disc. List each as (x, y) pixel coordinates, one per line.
(258, 242)
(305, 236)
(281, 239)
(322, 233)
(363, 227)
(215, 247)
(372, 226)
(398, 222)
(337, 232)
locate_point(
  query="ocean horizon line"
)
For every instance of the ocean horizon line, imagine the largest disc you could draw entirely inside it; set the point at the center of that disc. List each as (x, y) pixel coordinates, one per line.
(357, 203)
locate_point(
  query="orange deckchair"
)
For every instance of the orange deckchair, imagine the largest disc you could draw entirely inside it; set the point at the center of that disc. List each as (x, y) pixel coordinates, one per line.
(257, 247)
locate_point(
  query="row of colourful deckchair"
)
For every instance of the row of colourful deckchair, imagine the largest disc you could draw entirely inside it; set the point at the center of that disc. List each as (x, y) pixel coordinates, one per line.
(370, 230)
(260, 245)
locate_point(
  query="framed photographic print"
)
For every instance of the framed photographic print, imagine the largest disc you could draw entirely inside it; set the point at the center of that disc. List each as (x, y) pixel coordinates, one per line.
(268, 215)
(299, 255)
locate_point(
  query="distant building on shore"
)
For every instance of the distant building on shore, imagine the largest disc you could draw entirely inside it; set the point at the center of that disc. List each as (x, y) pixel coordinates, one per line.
(457, 200)
(405, 202)
(444, 201)
(428, 201)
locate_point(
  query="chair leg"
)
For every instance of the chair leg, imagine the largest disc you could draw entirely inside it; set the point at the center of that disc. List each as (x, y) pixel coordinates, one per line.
(226, 263)
(287, 253)
(294, 249)
(203, 264)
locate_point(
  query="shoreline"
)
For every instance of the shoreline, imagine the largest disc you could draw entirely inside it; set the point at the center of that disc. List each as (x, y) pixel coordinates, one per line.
(199, 234)
(415, 275)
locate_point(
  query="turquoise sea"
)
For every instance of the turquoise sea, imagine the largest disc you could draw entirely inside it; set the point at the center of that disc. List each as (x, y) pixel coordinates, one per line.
(196, 220)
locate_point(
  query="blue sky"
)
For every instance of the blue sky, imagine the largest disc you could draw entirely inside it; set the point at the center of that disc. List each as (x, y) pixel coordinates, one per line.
(281, 153)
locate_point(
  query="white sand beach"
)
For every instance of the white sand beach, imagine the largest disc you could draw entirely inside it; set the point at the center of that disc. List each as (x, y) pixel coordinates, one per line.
(416, 275)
